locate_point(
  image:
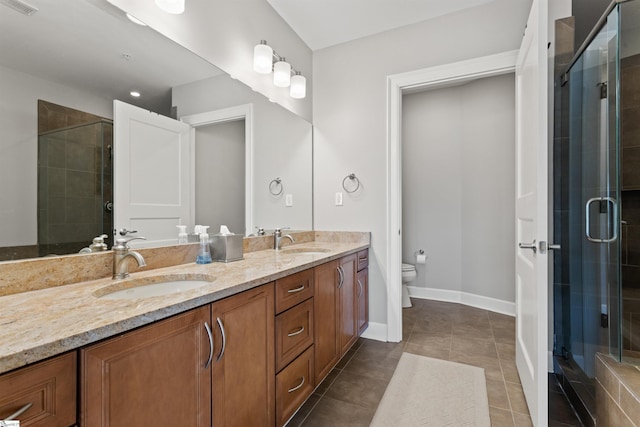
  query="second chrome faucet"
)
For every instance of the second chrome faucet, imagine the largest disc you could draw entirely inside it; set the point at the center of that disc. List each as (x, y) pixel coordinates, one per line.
(277, 238)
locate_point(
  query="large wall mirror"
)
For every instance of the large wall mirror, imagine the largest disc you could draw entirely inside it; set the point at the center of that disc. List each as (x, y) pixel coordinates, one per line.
(62, 67)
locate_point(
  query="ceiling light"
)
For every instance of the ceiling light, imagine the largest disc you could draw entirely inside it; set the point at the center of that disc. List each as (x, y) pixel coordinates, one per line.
(135, 94)
(298, 86)
(171, 6)
(282, 73)
(135, 20)
(262, 58)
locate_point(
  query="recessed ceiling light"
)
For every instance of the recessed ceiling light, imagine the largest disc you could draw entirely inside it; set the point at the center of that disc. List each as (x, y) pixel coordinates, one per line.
(135, 20)
(135, 94)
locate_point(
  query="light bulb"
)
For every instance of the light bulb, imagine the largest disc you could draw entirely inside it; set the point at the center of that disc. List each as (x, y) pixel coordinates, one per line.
(171, 6)
(262, 58)
(282, 73)
(298, 86)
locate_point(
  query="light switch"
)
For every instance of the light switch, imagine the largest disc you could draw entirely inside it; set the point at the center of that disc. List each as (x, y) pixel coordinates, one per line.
(339, 199)
(288, 200)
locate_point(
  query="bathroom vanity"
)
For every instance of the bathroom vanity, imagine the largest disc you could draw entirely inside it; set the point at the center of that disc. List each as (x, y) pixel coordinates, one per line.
(247, 349)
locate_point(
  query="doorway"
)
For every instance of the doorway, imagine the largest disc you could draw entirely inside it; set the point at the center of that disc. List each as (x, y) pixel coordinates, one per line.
(431, 78)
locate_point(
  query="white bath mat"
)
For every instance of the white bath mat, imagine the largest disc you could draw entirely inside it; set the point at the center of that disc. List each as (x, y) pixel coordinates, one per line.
(432, 392)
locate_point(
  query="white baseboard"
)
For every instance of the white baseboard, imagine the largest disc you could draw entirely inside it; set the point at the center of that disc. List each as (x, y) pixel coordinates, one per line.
(376, 331)
(478, 301)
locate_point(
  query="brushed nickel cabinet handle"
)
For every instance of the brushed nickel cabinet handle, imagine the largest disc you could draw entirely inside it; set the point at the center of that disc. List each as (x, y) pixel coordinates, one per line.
(361, 288)
(208, 329)
(341, 277)
(293, 291)
(19, 412)
(298, 332)
(291, 390)
(224, 338)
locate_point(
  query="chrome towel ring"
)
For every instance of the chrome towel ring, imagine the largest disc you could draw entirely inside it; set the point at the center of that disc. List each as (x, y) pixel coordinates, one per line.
(274, 185)
(354, 179)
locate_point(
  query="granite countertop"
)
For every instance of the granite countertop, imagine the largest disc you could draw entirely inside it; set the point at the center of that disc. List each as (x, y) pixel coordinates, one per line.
(42, 323)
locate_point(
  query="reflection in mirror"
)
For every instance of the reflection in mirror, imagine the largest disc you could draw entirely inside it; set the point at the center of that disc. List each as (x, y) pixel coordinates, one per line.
(77, 57)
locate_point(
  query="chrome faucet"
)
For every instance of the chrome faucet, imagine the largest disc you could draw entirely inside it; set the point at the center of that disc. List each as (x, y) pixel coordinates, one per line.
(277, 238)
(121, 254)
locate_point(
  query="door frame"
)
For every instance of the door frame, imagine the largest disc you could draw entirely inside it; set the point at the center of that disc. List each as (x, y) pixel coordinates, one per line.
(239, 112)
(441, 76)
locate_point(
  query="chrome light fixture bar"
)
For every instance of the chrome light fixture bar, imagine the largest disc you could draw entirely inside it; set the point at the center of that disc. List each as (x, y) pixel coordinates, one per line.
(266, 60)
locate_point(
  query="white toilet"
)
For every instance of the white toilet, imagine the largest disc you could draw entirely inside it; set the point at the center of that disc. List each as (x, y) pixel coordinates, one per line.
(408, 275)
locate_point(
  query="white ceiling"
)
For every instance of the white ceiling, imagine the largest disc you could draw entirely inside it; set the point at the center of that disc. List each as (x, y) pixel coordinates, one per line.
(323, 23)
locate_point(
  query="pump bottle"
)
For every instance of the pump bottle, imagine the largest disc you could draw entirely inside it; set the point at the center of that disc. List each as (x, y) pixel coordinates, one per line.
(204, 254)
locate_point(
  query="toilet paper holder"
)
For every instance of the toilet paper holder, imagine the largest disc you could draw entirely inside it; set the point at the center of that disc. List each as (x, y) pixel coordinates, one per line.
(419, 252)
(421, 258)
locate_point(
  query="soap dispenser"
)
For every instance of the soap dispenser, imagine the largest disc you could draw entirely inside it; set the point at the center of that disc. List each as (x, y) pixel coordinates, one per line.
(183, 237)
(204, 254)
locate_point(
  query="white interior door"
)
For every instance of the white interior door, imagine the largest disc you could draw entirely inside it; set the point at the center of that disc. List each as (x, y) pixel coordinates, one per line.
(151, 174)
(531, 213)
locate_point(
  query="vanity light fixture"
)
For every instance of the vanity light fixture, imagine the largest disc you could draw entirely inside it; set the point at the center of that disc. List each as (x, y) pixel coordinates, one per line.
(262, 58)
(175, 7)
(266, 60)
(298, 86)
(282, 73)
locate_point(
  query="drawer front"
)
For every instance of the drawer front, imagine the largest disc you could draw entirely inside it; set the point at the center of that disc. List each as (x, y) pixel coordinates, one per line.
(363, 259)
(49, 387)
(293, 385)
(293, 289)
(294, 333)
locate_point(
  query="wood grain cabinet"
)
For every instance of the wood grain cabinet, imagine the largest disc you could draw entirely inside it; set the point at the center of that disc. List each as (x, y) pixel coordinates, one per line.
(326, 305)
(244, 366)
(337, 298)
(294, 338)
(347, 287)
(150, 376)
(294, 384)
(362, 297)
(42, 394)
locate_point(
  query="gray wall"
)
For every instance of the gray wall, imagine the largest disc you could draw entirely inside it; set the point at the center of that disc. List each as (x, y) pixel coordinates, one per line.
(220, 164)
(458, 186)
(350, 107)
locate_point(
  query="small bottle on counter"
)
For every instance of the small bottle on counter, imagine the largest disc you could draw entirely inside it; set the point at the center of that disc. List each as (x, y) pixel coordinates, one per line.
(204, 253)
(183, 237)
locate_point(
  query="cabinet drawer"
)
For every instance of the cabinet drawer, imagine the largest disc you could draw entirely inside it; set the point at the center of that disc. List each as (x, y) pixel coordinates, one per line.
(294, 332)
(293, 289)
(50, 388)
(363, 259)
(293, 385)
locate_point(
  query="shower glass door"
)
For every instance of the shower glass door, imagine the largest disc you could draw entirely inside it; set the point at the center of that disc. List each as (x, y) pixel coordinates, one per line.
(589, 262)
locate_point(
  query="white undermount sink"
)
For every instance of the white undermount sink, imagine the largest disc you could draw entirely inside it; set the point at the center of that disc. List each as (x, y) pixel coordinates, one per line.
(145, 287)
(304, 251)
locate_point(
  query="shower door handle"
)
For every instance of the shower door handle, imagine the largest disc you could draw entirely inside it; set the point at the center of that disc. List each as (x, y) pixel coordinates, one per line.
(531, 246)
(587, 216)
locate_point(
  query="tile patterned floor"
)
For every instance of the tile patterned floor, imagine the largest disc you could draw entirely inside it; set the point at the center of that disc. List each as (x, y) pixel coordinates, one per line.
(350, 394)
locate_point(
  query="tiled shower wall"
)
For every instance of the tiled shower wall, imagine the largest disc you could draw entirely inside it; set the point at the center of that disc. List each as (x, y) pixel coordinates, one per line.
(74, 178)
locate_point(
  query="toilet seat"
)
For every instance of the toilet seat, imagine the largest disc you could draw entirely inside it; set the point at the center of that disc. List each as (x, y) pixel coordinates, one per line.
(408, 267)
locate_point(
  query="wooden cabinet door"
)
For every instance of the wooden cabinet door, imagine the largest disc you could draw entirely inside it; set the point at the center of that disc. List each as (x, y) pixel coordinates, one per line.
(348, 332)
(244, 365)
(43, 394)
(154, 375)
(362, 317)
(325, 306)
